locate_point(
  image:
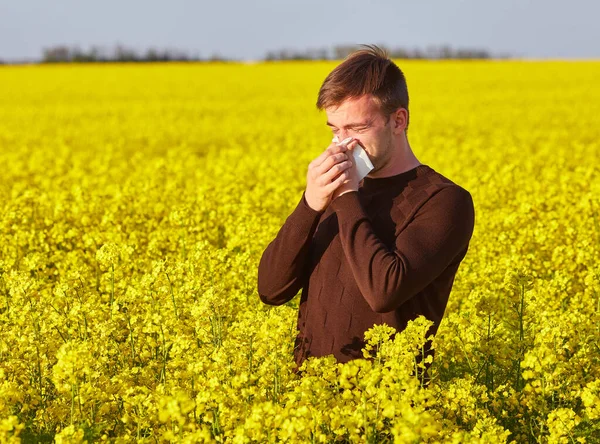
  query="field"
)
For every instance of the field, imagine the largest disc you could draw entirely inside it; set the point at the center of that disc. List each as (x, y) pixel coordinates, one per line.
(136, 201)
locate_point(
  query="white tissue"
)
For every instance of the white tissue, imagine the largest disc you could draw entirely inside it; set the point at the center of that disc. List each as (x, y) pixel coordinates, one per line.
(361, 159)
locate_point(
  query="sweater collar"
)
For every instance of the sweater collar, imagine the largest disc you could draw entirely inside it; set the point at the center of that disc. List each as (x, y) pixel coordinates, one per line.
(380, 183)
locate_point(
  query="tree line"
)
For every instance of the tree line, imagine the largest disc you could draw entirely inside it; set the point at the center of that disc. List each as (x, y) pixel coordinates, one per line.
(341, 51)
(120, 53)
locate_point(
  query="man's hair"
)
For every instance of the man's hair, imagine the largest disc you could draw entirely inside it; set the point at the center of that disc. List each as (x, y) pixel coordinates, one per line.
(366, 71)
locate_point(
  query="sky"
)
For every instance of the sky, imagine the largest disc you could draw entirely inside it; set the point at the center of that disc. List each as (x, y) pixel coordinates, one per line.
(248, 29)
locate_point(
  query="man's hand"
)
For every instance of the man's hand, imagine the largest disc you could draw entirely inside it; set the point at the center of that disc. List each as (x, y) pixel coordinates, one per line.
(351, 183)
(326, 173)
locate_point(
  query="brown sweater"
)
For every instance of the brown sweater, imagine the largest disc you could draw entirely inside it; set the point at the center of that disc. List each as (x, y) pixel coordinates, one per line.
(384, 254)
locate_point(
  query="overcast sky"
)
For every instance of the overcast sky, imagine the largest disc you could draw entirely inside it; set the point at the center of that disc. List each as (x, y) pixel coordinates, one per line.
(248, 29)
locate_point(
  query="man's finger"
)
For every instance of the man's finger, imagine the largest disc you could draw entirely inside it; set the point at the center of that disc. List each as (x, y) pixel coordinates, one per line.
(330, 151)
(346, 141)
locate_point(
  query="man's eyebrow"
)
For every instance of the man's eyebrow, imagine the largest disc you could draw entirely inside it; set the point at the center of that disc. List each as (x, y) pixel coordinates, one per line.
(351, 125)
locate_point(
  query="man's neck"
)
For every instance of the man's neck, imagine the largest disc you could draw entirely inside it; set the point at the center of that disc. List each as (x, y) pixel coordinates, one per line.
(402, 160)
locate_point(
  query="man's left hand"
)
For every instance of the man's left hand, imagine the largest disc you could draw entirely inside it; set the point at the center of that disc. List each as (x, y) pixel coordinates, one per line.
(350, 184)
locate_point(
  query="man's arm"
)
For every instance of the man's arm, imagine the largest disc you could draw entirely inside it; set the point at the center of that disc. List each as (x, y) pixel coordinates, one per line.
(439, 231)
(283, 265)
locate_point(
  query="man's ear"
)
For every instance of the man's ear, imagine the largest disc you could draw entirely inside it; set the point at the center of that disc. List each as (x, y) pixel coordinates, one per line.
(398, 120)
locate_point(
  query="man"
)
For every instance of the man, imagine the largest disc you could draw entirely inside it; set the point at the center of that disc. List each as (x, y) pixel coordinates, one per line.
(383, 250)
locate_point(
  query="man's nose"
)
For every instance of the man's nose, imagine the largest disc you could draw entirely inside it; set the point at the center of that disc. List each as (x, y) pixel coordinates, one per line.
(343, 135)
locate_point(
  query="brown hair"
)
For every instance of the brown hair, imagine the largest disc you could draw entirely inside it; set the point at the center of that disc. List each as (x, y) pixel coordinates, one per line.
(366, 71)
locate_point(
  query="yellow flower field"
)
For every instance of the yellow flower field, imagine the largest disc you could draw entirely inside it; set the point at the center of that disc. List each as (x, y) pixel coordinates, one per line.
(136, 201)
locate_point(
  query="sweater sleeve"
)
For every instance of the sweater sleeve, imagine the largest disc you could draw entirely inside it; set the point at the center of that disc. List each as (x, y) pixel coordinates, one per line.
(283, 265)
(440, 230)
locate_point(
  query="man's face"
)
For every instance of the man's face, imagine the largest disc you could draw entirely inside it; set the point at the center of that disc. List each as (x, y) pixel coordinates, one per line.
(362, 119)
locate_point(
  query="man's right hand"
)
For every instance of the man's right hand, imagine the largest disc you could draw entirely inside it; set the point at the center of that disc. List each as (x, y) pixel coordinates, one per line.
(325, 174)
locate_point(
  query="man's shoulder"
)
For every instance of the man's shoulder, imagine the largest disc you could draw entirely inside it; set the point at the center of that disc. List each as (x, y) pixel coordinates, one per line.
(431, 182)
(422, 188)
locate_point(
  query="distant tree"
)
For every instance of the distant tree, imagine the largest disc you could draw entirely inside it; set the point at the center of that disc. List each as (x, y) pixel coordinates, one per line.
(418, 54)
(123, 54)
(400, 53)
(56, 54)
(270, 56)
(152, 55)
(77, 55)
(342, 51)
(317, 54)
(176, 55)
(216, 57)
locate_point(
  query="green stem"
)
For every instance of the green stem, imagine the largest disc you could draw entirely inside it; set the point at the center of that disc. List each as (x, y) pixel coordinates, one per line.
(172, 296)
(131, 340)
(72, 401)
(112, 287)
